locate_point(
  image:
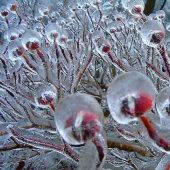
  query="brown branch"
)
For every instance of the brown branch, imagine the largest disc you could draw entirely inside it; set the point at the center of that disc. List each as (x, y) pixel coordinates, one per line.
(128, 147)
(9, 148)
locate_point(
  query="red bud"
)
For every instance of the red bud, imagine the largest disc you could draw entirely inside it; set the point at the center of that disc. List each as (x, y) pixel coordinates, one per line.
(143, 103)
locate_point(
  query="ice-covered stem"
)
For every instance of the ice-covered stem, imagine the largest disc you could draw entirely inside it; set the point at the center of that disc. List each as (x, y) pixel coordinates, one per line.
(37, 141)
(7, 22)
(101, 145)
(32, 141)
(95, 149)
(128, 147)
(154, 135)
(18, 146)
(70, 152)
(19, 16)
(83, 71)
(157, 72)
(161, 49)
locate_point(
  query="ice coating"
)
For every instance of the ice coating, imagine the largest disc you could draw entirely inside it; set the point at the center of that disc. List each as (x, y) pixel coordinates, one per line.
(11, 34)
(129, 96)
(31, 40)
(15, 50)
(78, 118)
(152, 33)
(52, 31)
(102, 46)
(96, 35)
(115, 29)
(45, 95)
(12, 5)
(136, 7)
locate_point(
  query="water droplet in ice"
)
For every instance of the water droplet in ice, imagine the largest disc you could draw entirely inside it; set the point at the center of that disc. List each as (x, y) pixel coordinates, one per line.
(15, 50)
(152, 33)
(160, 14)
(129, 96)
(43, 10)
(78, 118)
(31, 40)
(62, 38)
(12, 5)
(136, 7)
(94, 3)
(52, 31)
(11, 34)
(45, 94)
(84, 4)
(96, 35)
(102, 46)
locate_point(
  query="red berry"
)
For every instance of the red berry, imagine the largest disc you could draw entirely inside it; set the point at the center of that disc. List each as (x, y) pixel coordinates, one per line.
(32, 45)
(106, 48)
(143, 103)
(157, 37)
(4, 13)
(45, 100)
(20, 51)
(13, 7)
(85, 125)
(136, 104)
(136, 10)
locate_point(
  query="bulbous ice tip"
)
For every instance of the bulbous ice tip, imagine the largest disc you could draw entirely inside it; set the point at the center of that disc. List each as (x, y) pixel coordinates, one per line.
(152, 33)
(129, 96)
(12, 5)
(31, 40)
(78, 118)
(15, 50)
(45, 94)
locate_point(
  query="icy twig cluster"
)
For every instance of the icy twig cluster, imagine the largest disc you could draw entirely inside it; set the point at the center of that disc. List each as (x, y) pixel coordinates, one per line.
(56, 58)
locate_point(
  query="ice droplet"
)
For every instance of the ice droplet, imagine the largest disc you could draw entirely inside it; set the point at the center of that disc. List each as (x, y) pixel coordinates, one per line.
(152, 33)
(160, 14)
(15, 50)
(130, 95)
(136, 7)
(102, 46)
(78, 118)
(31, 40)
(12, 5)
(43, 10)
(52, 31)
(11, 34)
(45, 94)
(96, 35)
